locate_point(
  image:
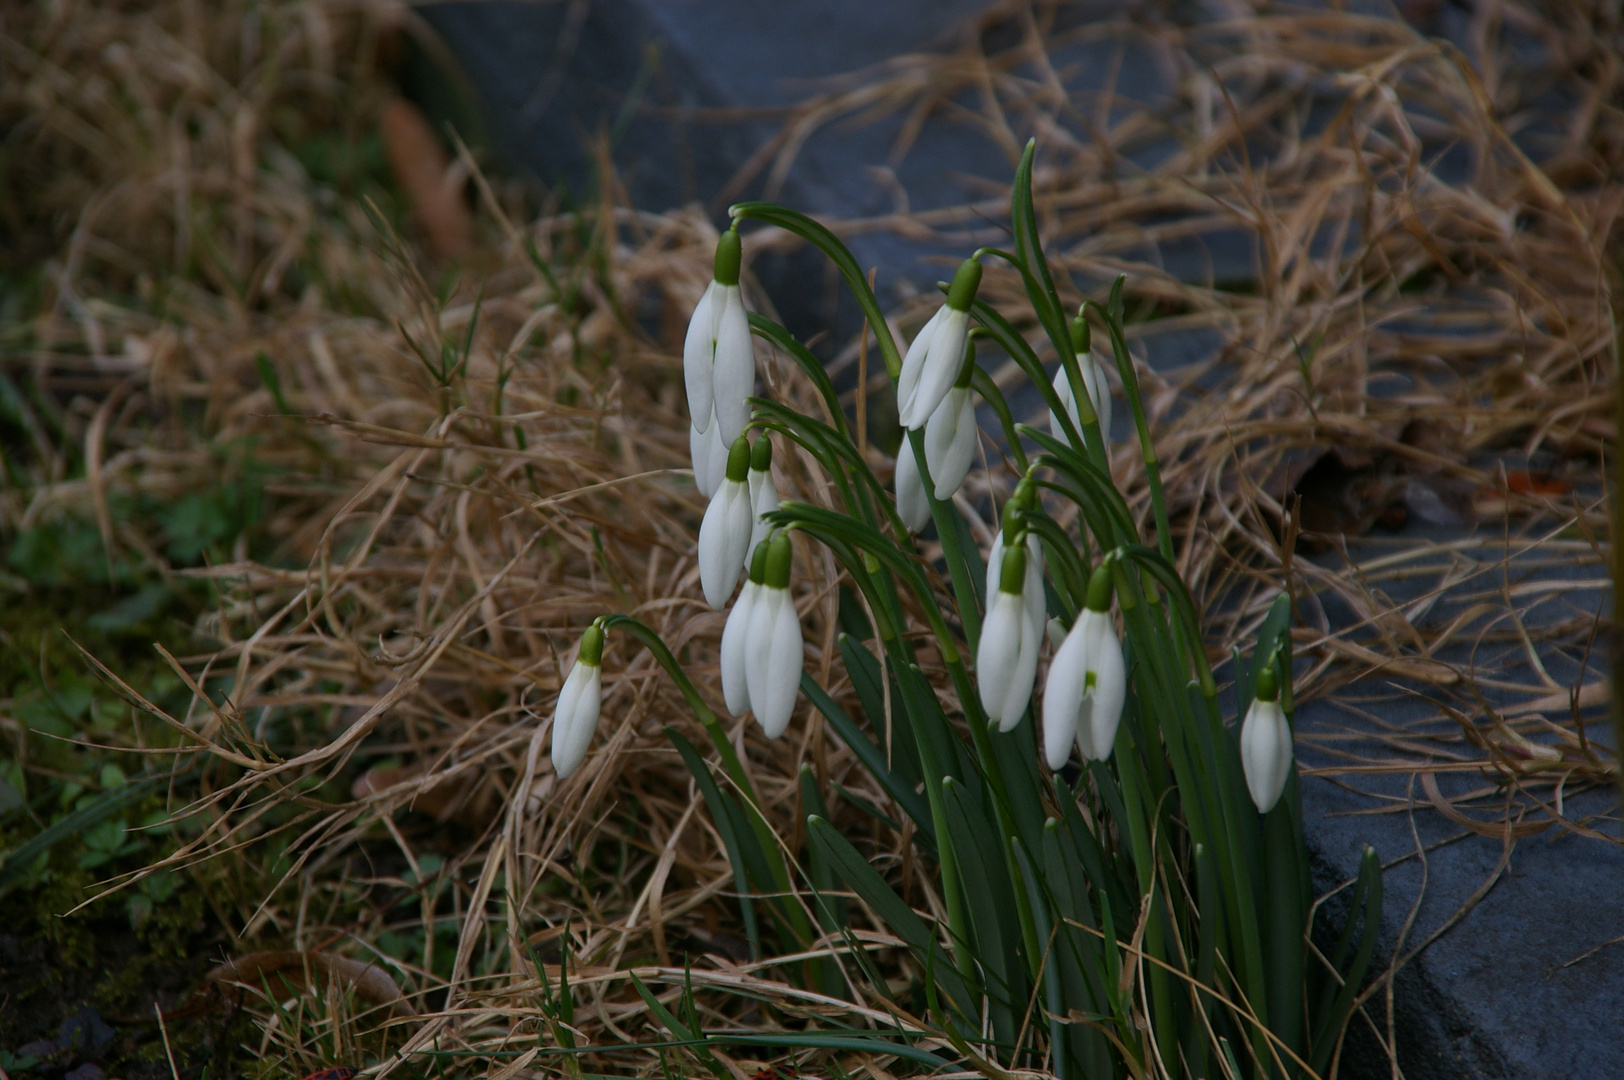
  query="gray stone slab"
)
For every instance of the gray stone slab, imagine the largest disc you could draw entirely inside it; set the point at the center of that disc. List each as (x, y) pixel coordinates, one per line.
(1526, 984)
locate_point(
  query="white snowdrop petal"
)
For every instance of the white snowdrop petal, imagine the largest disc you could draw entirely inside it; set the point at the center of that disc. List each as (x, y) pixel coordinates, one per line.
(1062, 699)
(1266, 753)
(735, 635)
(576, 718)
(1110, 684)
(940, 369)
(912, 506)
(764, 500)
(757, 644)
(723, 535)
(709, 456)
(698, 358)
(999, 651)
(950, 462)
(733, 378)
(1019, 692)
(913, 362)
(782, 675)
(1062, 390)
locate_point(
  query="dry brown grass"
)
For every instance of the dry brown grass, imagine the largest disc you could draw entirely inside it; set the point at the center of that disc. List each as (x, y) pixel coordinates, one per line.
(440, 546)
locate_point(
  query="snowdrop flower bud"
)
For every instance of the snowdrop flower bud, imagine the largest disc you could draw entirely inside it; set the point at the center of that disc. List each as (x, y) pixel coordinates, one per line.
(1036, 605)
(709, 454)
(934, 359)
(1099, 392)
(736, 634)
(718, 361)
(724, 534)
(575, 717)
(1007, 656)
(1266, 752)
(773, 658)
(763, 496)
(1088, 682)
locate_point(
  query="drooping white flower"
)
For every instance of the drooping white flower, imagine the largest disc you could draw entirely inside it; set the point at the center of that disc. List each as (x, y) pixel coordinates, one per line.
(718, 360)
(763, 495)
(709, 454)
(1099, 395)
(773, 649)
(1007, 655)
(1266, 749)
(1032, 597)
(936, 356)
(736, 636)
(724, 534)
(575, 717)
(1087, 684)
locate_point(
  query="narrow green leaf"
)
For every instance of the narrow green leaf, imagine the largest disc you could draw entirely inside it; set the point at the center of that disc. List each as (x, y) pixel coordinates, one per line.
(903, 921)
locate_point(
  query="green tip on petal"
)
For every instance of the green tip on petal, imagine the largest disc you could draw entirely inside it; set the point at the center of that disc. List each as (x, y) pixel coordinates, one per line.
(729, 253)
(779, 556)
(1099, 588)
(1081, 335)
(591, 653)
(758, 563)
(962, 293)
(761, 455)
(738, 460)
(1268, 685)
(1012, 576)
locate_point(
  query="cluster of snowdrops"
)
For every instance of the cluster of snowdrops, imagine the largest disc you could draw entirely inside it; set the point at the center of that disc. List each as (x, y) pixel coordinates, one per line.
(761, 648)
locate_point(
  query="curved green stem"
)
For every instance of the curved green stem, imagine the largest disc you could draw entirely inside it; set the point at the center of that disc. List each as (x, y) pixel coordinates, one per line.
(827, 242)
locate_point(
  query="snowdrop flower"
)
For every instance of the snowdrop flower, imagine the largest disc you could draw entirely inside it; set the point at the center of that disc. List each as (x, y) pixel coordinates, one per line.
(1007, 656)
(709, 454)
(936, 356)
(1087, 684)
(1025, 497)
(773, 654)
(1266, 751)
(763, 496)
(736, 634)
(950, 444)
(575, 717)
(724, 534)
(1093, 376)
(718, 361)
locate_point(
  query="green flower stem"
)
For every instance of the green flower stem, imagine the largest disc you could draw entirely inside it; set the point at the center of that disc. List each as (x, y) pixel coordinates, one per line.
(947, 533)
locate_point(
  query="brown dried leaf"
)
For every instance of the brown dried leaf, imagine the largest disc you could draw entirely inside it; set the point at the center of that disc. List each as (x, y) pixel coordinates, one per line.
(291, 972)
